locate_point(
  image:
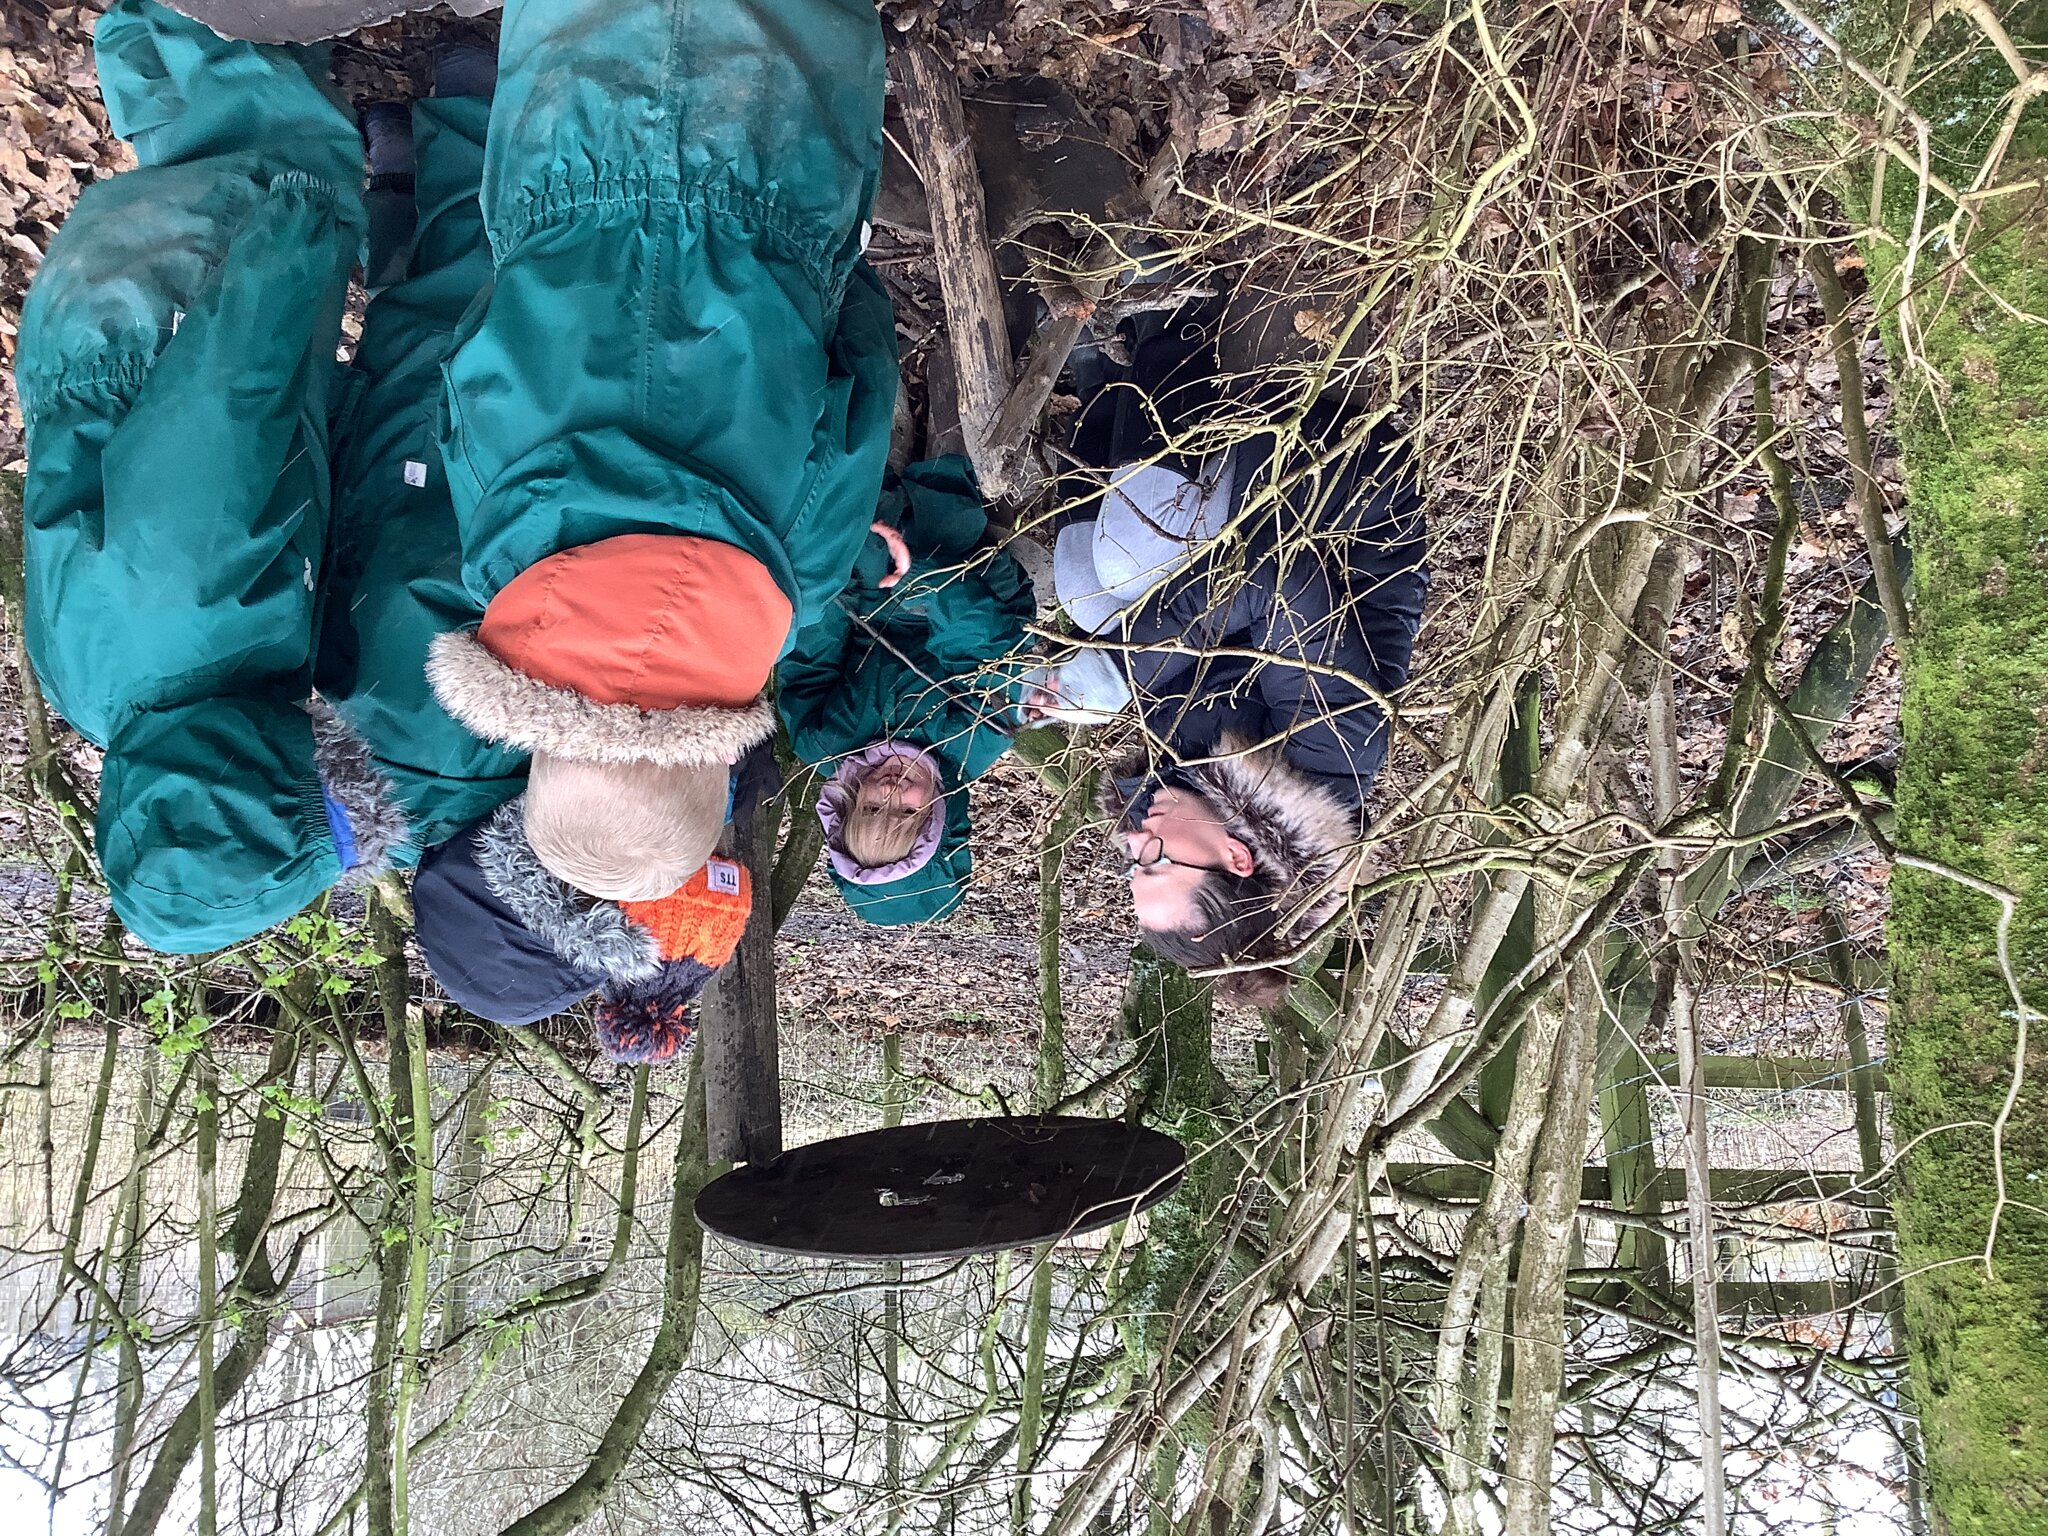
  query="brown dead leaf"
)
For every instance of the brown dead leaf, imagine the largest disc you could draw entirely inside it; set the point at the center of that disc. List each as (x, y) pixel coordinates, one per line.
(1848, 261)
(1121, 34)
(1731, 635)
(1123, 129)
(1692, 22)
(1315, 324)
(1670, 94)
(1217, 131)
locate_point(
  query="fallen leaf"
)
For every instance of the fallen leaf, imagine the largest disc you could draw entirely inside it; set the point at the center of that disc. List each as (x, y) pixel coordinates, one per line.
(1216, 133)
(1315, 324)
(1119, 34)
(1731, 635)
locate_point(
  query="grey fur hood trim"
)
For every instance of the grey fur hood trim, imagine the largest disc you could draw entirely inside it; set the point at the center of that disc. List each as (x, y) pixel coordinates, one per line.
(349, 775)
(590, 935)
(1295, 827)
(501, 703)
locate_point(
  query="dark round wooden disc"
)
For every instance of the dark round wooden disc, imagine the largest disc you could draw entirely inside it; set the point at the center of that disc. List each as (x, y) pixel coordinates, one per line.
(944, 1189)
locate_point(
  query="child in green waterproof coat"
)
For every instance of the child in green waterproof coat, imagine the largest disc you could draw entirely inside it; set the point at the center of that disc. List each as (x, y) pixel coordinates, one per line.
(907, 695)
(176, 371)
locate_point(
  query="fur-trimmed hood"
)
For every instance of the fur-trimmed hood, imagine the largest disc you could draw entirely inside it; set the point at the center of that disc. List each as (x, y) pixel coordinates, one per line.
(638, 648)
(589, 934)
(1296, 827)
(377, 826)
(501, 703)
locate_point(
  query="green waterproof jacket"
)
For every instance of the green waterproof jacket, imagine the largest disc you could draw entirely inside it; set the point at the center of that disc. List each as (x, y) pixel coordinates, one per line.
(680, 337)
(934, 661)
(176, 371)
(395, 568)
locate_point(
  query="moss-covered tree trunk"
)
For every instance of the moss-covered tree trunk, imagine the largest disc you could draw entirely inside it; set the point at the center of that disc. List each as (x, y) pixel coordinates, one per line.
(1973, 794)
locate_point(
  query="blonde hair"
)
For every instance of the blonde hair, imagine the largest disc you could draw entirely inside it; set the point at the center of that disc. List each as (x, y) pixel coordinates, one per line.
(624, 831)
(877, 831)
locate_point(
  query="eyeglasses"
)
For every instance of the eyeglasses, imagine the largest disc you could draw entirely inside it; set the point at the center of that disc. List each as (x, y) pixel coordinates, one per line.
(1162, 860)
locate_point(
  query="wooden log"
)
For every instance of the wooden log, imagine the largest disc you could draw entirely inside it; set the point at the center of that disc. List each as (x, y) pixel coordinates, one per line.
(968, 280)
(742, 1062)
(1018, 416)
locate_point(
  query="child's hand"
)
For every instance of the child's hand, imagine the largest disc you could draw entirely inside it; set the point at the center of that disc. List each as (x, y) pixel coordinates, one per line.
(899, 553)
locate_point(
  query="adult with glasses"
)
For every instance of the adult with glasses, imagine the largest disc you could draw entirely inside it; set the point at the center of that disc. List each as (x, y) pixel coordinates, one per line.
(1257, 603)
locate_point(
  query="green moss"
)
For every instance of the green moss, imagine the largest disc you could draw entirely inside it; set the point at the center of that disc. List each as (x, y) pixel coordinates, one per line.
(1973, 793)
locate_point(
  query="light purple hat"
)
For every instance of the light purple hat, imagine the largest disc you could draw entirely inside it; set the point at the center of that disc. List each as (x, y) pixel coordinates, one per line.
(835, 801)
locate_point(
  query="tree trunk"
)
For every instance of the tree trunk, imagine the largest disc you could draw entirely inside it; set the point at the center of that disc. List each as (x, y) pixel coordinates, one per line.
(738, 1042)
(1968, 1065)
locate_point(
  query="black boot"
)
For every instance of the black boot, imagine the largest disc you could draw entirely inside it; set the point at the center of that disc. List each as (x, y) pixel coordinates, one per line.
(465, 60)
(387, 133)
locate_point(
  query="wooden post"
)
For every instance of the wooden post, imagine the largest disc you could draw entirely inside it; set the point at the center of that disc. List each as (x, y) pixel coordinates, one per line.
(968, 280)
(742, 1065)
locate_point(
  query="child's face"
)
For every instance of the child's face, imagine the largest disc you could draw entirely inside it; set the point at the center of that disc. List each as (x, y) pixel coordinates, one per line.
(901, 786)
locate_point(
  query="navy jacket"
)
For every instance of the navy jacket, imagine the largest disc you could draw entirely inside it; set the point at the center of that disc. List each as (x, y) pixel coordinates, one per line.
(1332, 573)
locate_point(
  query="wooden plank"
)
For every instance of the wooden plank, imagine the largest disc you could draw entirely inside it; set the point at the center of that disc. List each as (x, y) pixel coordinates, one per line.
(1729, 1186)
(1758, 1299)
(1800, 1298)
(742, 1060)
(1766, 1074)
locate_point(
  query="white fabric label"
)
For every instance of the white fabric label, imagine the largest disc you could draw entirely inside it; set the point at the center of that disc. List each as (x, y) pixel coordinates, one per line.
(415, 473)
(722, 876)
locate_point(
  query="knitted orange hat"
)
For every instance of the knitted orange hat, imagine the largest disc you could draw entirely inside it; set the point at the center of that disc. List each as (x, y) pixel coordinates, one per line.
(696, 929)
(703, 918)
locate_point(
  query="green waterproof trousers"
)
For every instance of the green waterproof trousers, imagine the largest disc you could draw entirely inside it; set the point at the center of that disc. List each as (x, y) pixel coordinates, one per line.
(395, 573)
(176, 371)
(680, 336)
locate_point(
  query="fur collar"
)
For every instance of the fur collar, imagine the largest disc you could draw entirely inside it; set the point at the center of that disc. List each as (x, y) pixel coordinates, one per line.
(349, 775)
(590, 935)
(501, 703)
(1294, 826)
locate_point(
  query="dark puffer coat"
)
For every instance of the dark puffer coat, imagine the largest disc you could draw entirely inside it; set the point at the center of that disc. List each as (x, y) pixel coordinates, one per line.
(1283, 636)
